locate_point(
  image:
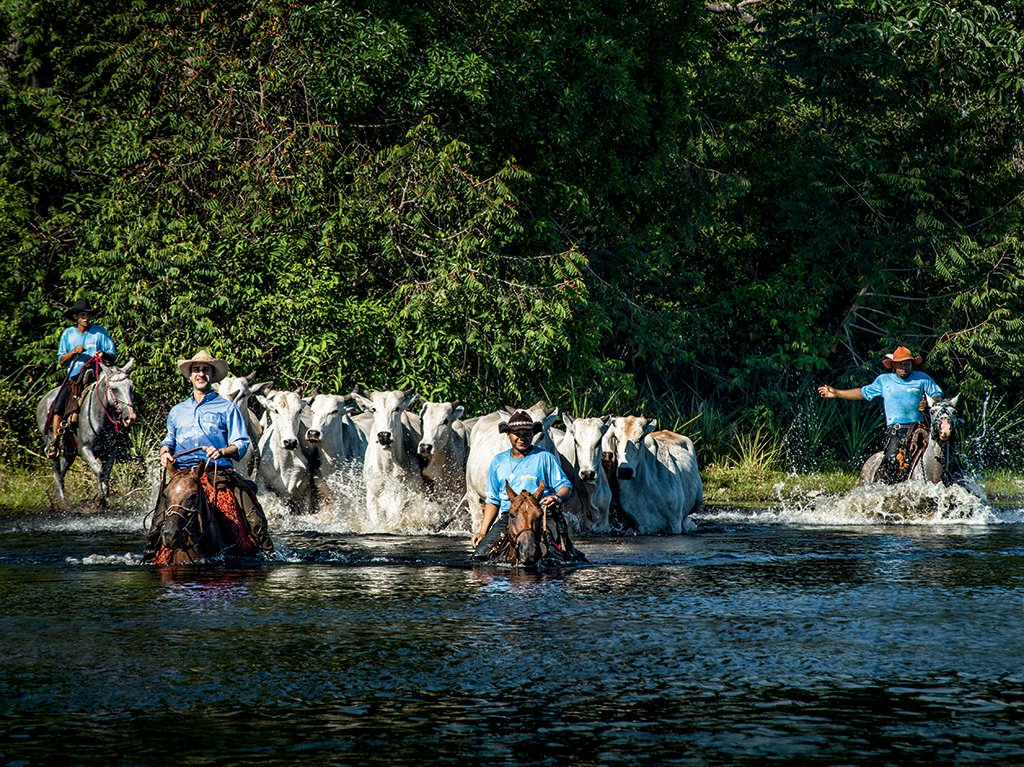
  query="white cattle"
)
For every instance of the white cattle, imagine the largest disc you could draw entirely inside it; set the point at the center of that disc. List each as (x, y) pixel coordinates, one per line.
(390, 468)
(485, 442)
(332, 435)
(283, 465)
(443, 451)
(659, 483)
(581, 451)
(238, 389)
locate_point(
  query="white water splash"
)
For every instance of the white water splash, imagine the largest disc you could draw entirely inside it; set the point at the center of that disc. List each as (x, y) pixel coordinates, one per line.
(342, 509)
(911, 503)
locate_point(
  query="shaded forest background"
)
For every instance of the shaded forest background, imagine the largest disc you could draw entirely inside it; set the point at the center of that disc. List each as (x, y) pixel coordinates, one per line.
(693, 210)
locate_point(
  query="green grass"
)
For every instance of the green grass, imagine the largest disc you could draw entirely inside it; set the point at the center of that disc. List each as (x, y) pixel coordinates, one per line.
(30, 489)
(726, 483)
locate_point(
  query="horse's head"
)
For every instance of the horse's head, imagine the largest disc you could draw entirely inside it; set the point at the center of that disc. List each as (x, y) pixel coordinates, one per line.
(114, 387)
(526, 520)
(182, 528)
(943, 417)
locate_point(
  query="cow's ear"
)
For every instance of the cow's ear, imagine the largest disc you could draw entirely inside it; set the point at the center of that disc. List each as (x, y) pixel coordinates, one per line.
(265, 401)
(363, 402)
(509, 491)
(261, 386)
(308, 401)
(539, 492)
(457, 412)
(567, 420)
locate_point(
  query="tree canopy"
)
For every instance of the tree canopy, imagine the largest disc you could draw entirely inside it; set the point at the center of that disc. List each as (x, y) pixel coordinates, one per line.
(509, 200)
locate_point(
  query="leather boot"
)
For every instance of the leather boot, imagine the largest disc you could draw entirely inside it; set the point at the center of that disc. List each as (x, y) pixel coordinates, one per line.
(53, 449)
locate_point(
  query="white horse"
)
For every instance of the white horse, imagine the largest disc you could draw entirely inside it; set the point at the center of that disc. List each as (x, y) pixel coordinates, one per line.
(106, 411)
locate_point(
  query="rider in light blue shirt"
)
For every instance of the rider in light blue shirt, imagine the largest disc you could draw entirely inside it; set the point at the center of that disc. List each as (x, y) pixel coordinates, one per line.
(204, 420)
(903, 393)
(212, 427)
(209, 422)
(524, 467)
(524, 473)
(902, 396)
(78, 344)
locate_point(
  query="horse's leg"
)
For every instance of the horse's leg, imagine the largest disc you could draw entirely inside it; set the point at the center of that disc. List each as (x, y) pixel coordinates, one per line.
(60, 465)
(869, 472)
(99, 469)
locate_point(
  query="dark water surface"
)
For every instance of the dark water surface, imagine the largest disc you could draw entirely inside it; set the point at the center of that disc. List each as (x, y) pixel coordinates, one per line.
(740, 644)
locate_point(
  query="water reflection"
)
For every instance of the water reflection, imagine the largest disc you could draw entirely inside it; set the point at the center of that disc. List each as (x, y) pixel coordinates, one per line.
(743, 644)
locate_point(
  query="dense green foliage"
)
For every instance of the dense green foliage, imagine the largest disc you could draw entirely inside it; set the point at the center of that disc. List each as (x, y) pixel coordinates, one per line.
(609, 202)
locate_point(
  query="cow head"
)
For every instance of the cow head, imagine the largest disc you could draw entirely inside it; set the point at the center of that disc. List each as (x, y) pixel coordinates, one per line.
(387, 408)
(587, 435)
(627, 438)
(327, 412)
(436, 419)
(284, 409)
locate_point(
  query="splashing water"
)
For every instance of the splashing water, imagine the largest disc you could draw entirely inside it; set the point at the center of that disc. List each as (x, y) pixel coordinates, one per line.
(342, 509)
(909, 503)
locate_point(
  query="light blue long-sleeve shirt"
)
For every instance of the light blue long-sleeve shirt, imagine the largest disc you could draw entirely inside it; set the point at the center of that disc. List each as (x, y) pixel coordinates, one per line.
(524, 473)
(213, 422)
(95, 339)
(902, 396)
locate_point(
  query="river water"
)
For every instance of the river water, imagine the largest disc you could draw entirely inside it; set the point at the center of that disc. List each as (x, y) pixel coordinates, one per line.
(820, 634)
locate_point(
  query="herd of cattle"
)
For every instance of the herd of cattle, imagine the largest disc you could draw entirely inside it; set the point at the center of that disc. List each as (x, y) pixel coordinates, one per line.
(625, 474)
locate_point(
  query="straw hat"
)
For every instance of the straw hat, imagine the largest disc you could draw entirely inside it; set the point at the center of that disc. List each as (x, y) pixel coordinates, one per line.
(220, 367)
(902, 354)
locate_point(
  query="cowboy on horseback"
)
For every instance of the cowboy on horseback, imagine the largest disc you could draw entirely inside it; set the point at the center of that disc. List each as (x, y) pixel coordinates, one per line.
(82, 348)
(207, 432)
(523, 467)
(903, 391)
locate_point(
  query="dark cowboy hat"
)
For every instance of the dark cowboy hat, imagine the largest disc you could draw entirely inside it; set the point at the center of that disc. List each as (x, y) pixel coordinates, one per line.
(902, 354)
(520, 421)
(81, 305)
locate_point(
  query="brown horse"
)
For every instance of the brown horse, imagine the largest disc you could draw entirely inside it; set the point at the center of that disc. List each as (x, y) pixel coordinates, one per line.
(185, 530)
(534, 537)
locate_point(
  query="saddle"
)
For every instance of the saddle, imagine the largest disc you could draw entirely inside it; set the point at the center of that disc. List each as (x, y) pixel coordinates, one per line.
(910, 451)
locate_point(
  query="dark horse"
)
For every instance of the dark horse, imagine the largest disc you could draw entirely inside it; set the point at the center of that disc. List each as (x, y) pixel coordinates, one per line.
(189, 527)
(927, 454)
(189, 531)
(106, 412)
(534, 537)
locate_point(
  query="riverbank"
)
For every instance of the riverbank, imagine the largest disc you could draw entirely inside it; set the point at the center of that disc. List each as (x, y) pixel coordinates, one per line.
(26, 489)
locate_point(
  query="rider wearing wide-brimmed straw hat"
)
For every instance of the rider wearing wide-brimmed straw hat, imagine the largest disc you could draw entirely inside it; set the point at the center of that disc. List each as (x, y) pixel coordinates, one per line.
(524, 467)
(208, 429)
(81, 346)
(903, 391)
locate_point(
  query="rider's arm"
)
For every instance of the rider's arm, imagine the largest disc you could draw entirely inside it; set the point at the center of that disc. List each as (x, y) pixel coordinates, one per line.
(490, 514)
(168, 443)
(830, 392)
(556, 481)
